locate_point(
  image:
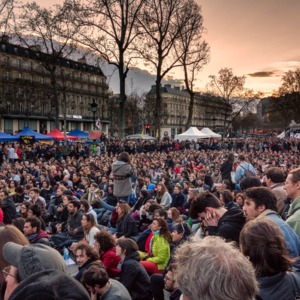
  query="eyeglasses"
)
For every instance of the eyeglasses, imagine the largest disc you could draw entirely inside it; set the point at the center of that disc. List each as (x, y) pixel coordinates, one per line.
(6, 272)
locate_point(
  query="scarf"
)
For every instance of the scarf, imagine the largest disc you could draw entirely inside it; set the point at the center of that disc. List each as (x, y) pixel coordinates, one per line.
(151, 241)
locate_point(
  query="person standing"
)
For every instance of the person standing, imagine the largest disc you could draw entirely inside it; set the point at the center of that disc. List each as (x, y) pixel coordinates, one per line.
(122, 171)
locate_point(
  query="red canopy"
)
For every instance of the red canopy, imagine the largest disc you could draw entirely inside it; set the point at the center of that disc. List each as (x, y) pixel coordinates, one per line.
(59, 136)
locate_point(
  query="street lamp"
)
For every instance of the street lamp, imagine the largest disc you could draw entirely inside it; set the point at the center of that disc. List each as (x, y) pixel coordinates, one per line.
(94, 106)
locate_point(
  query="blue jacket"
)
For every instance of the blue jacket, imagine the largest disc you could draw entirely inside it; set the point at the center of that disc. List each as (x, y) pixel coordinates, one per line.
(241, 171)
(291, 238)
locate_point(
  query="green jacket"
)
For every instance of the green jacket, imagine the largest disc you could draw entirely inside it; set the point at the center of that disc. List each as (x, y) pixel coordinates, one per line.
(160, 252)
(293, 218)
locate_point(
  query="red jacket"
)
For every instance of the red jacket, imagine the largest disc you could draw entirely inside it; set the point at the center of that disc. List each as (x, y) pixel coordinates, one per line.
(1, 215)
(110, 261)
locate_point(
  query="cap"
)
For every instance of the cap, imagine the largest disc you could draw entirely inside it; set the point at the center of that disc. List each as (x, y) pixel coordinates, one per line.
(33, 258)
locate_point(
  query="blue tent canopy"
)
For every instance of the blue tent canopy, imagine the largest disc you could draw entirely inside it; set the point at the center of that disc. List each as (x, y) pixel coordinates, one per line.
(4, 137)
(28, 132)
(78, 133)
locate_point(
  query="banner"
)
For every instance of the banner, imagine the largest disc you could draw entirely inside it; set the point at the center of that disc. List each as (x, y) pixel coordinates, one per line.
(95, 134)
(27, 139)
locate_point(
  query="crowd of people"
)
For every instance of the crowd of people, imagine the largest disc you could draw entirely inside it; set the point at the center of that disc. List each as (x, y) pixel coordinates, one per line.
(216, 219)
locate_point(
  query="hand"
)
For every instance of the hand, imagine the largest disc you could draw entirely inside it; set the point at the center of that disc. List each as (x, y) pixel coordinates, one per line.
(60, 208)
(211, 219)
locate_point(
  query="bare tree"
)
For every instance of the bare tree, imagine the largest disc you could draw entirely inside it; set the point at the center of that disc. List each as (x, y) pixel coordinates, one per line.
(6, 13)
(162, 22)
(231, 87)
(50, 33)
(192, 51)
(290, 82)
(108, 28)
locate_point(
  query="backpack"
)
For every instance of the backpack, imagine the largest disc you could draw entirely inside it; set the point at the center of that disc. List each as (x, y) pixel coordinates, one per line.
(248, 173)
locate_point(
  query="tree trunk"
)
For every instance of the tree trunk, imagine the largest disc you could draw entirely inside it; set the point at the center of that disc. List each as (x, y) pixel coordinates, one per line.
(55, 103)
(123, 97)
(191, 108)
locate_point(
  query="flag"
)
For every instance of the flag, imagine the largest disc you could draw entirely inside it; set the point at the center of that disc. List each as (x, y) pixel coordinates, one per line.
(98, 124)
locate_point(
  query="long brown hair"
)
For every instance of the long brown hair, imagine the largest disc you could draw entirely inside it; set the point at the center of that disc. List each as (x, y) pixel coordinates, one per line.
(125, 208)
(91, 222)
(164, 230)
(9, 233)
(163, 190)
(262, 241)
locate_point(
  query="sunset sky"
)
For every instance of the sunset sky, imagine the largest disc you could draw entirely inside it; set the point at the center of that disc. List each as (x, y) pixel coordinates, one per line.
(256, 38)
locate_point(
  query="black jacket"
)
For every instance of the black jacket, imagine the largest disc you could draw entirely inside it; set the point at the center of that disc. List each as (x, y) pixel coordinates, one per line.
(229, 226)
(126, 227)
(135, 278)
(86, 266)
(226, 170)
(9, 210)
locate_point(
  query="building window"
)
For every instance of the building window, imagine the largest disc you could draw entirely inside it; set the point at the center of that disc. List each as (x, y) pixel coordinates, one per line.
(8, 126)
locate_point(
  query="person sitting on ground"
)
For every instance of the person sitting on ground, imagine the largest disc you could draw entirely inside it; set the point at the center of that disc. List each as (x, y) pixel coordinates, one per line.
(100, 286)
(163, 197)
(38, 272)
(273, 267)
(202, 264)
(227, 198)
(32, 230)
(157, 247)
(126, 226)
(174, 216)
(92, 195)
(170, 284)
(90, 228)
(217, 219)
(180, 234)
(34, 210)
(133, 276)
(261, 202)
(86, 256)
(74, 228)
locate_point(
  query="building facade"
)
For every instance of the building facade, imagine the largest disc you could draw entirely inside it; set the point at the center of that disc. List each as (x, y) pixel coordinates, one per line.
(26, 93)
(208, 110)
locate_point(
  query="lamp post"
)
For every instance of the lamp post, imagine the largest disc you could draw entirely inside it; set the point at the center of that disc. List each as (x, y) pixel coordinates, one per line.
(94, 106)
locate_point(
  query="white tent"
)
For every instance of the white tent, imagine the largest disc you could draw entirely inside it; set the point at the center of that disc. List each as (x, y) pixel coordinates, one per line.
(209, 133)
(191, 134)
(281, 135)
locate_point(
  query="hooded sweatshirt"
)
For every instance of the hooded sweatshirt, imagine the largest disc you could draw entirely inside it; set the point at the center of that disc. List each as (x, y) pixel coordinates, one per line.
(229, 226)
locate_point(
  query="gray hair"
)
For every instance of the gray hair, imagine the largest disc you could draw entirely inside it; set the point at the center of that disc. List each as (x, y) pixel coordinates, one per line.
(213, 269)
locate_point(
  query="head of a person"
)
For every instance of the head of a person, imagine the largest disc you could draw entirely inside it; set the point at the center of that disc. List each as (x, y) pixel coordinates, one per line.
(159, 213)
(262, 241)
(160, 226)
(95, 279)
(84, 205)
(85, 253)
(122, 209)
(213, 269)
(177, 189)
(73, 207)
(193, 193)
(32, 225)
(230, 157)
(181, 231)
(88, 221)
(104, 241)
(144, 194)
(124, 156)
(206, 202)
(27, 260)
(34, 210)
(226, 196)
(292, 184)
(249, 182)
(161, 189)
(240, 199)
(126, 247)
(257, 200)
(173, 214)
(274, 175)
(3, 195)
(170, 282)
(34, 193)
(241, 157)
(19, 223)
(9, 233)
